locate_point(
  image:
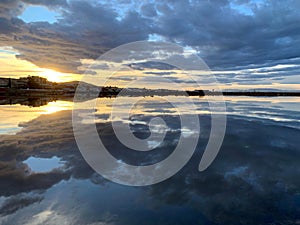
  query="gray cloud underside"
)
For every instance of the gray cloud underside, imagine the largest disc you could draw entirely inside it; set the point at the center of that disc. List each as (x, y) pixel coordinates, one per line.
(225, 38)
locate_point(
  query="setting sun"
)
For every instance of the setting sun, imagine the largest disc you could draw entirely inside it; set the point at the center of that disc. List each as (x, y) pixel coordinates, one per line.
(13, 67)
(55, 76)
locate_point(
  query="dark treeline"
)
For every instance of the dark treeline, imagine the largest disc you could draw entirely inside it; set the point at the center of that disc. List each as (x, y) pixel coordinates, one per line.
(33, 86)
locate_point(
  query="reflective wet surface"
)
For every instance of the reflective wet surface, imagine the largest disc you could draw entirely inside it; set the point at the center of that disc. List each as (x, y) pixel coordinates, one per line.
(255, 178)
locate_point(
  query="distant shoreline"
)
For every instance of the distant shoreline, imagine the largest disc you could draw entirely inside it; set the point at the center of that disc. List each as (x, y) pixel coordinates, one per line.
(37, 98)
(108, 92)
(35, 87)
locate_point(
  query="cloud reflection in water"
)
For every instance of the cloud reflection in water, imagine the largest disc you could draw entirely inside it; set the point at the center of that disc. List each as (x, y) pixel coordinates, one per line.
(254, 180)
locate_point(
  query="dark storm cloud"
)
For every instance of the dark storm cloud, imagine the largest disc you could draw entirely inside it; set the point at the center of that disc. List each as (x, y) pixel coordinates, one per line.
(259, 74)
(85, 31)
(52, 3)
(227, 37)
(148, 10)
(123, 78)
(160, 73)
(10, 8)
(225, 34)
(151, 65)
(9, 26)
(46, 48)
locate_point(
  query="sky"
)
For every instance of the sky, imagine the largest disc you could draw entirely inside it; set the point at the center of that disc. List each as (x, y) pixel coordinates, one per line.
(247, 44)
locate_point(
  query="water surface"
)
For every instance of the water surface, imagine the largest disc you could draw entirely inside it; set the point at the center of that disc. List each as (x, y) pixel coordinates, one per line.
(255, 178)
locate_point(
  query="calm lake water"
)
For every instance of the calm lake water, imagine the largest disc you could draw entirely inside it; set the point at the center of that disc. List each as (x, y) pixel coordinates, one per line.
(255, 178)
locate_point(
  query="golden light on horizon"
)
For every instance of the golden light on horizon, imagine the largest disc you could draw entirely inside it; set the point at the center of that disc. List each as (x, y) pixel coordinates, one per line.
(56, 76)
(13, 67)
